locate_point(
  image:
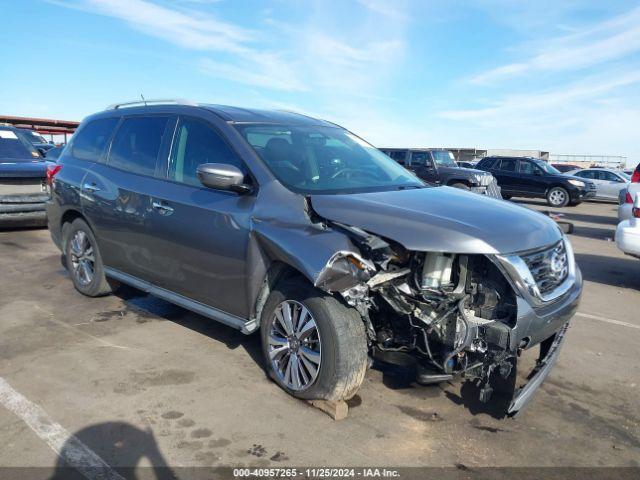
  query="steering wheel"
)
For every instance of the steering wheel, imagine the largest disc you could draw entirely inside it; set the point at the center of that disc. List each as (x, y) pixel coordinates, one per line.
(347, 171)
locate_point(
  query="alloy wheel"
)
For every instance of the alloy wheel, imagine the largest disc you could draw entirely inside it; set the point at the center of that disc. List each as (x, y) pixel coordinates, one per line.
(294, 345)
(82, 258)
(557, 197)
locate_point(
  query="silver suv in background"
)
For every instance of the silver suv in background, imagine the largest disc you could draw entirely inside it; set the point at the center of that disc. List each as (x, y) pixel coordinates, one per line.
(300, 230)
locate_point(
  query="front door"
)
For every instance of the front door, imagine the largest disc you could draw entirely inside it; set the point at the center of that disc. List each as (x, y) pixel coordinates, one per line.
(202, 234)
(530, 179)
(423, 166)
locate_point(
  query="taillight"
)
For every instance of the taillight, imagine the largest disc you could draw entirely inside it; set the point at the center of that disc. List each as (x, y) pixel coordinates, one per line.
(635, 178)
(52, 170)
(636, 212)
(627, 198)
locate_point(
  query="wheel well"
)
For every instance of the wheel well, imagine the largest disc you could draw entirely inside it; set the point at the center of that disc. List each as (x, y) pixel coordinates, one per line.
(69, 216)
(278, 272)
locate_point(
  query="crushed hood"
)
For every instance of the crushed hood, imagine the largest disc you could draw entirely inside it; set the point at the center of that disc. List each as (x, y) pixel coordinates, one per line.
(441, 219)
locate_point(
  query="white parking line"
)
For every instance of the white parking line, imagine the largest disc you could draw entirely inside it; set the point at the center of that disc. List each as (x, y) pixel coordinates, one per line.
(74, 453)
(607, 320)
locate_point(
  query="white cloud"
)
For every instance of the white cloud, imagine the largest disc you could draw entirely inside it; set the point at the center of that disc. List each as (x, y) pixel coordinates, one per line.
(193, 30)
(610, 40)
(508, 109)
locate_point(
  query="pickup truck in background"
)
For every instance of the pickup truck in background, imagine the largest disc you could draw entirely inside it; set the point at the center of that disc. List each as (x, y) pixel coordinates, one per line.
(438, 167)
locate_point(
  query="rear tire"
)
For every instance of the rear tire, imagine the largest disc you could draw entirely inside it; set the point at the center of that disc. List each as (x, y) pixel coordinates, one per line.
(337, 342)
(557, 197)
(83, 260)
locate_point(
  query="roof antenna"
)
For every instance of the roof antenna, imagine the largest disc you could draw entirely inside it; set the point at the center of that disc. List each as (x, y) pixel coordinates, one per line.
(142, 97)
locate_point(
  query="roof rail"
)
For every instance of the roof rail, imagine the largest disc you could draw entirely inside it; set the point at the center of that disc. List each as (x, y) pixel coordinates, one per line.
(171, 101)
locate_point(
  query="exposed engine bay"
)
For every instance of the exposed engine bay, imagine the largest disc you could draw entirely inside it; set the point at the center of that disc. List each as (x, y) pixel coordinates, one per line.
(453, 313)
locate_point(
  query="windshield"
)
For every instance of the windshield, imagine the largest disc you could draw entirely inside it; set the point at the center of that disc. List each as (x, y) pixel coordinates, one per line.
(14, 147)
(547, 168)
(318, 159)
(444, 158)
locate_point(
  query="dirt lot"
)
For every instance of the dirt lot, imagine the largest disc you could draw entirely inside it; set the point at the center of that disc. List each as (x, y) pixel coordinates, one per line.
(138, 380)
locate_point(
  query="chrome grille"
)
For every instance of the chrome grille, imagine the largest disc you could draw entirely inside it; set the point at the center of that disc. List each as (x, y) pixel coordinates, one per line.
(549, 267)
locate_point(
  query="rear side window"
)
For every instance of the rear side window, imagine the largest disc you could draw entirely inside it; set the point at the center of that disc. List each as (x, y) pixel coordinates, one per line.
(90, 142)
(196, 143)
(586, 174)
(137, 144)
(398, 156)
(508, 165)
(487, 163)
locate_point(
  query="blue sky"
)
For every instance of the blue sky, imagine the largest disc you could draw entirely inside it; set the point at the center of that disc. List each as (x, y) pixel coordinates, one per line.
(562, 76)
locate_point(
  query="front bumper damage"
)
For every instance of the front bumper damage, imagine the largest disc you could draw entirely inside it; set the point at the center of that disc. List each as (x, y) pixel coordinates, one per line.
(549, 353)
(460, 316)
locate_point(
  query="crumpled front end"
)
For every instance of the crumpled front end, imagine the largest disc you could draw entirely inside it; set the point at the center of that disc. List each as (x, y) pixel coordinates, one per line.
(460, 315)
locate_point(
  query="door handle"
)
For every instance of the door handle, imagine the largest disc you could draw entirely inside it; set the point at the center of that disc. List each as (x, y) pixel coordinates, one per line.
(161, 208)
(91, 187)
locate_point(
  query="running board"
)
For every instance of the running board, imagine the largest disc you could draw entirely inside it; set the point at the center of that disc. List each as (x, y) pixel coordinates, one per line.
(245, 326)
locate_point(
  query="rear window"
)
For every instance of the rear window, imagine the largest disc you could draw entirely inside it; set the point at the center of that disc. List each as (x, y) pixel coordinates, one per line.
(13, 146)
(137, 144)
(90, 142)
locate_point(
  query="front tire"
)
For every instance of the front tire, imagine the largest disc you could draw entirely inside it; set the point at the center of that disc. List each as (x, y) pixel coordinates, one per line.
(557, 197)
(83, 260)
(314, 347)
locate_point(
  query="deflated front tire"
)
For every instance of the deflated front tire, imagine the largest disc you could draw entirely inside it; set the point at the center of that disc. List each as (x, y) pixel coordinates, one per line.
(314, 346)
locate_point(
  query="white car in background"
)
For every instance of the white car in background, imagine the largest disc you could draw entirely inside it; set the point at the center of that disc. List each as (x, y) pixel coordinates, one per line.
(627, 197)
(608, 182)
(628, 231)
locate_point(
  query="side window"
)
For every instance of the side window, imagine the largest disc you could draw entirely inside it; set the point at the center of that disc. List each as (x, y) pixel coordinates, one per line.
(489, 163)
(137, 144)
(526, 167)
(196, 143)
(608, 176)
(421, 158)
(508, 165)
(90, 142)
(399, 156)
(587, 174)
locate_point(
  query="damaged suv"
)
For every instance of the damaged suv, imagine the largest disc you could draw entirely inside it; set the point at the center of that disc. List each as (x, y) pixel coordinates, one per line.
(295, 227)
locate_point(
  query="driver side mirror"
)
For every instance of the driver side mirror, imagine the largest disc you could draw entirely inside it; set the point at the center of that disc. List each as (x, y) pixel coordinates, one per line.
(222, 176)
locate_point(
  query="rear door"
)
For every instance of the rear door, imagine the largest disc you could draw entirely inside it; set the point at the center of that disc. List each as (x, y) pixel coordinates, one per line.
(506, 173)
(201, 233)
(423, 166)
(117, 196)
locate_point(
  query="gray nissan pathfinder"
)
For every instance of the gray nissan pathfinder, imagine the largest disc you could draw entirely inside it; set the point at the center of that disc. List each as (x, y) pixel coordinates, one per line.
(297, 228)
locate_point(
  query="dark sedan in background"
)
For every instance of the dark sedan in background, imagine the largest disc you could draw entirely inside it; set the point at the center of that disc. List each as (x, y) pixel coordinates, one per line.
(535, 178)
(23, 190)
